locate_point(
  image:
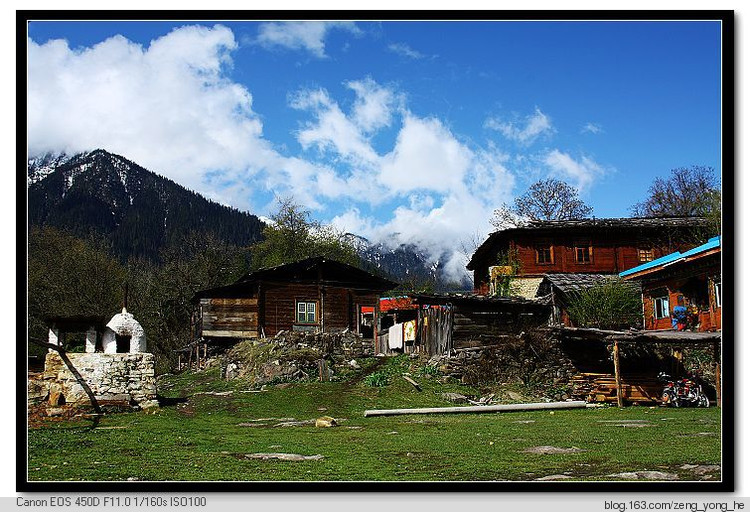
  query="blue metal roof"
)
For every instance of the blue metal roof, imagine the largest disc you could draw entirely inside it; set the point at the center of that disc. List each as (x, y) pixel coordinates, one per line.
(670, 258)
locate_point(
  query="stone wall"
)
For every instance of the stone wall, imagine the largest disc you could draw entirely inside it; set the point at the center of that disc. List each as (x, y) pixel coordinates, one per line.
(344, 343)
(114, 379)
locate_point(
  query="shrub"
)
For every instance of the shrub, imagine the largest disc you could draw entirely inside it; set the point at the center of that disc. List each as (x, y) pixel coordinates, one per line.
(377, 379)
(611, 304)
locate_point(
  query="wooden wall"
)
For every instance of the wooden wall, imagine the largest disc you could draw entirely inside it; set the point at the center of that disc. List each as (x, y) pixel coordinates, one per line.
(710, 314)
(607, 256)
(229, 318)
(474, 325)
(610, 254)
(337, 307)
(279, 302)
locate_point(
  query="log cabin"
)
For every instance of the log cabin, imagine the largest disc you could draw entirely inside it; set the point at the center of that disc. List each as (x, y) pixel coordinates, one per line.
(583, 246)
(691, 279)
(315, 294)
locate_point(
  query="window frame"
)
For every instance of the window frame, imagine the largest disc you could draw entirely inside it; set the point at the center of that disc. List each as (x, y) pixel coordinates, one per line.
(547, 247)
(307, 303)
(665, 299)
(717, 293)
(587, 250)
(648, 252)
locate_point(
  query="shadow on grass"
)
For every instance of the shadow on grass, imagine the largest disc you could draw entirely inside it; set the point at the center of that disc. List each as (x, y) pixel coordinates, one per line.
(166, 401)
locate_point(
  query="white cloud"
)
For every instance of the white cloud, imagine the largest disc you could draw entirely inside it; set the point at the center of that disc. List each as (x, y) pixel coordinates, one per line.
(534, 126)
(301, 35)
(444, 190)
(405, 50)
(168, 106)
(426, 156)
(374, 105)
(591, 128)
(171, 107)
(332, 129)
(581, 173)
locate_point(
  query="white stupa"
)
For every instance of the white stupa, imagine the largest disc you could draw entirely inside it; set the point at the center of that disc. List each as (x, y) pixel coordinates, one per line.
(124, 326)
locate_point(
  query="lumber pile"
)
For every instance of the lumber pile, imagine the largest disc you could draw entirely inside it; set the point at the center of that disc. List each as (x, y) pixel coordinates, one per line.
(601, 387)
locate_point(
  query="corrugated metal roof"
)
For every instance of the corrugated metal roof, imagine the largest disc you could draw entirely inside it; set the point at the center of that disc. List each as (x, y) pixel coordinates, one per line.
(713, 243)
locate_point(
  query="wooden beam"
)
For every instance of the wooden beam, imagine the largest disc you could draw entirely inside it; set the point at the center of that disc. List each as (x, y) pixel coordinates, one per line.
(618, 377)
(478, 409)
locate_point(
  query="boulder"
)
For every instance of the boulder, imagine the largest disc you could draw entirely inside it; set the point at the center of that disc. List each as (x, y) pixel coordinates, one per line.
(326, 421)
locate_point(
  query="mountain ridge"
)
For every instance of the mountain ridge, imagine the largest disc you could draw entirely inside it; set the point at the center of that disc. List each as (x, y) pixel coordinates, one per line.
(140, 211)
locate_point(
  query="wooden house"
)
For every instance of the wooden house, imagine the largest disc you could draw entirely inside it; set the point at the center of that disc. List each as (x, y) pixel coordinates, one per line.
(692, 279)
(585, 246)
(315, 294)
(433, 324)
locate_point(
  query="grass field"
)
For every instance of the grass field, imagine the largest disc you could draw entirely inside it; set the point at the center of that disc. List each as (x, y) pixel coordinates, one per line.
(206, 437)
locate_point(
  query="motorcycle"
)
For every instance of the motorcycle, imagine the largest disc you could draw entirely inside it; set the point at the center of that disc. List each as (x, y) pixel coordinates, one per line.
(685, 392)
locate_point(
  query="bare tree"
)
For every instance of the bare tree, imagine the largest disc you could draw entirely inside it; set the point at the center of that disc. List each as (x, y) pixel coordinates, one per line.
(549, 199)
(688, 191)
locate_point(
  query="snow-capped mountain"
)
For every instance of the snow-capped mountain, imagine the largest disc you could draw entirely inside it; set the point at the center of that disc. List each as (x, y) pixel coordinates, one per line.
(137, 210)
(407, 264)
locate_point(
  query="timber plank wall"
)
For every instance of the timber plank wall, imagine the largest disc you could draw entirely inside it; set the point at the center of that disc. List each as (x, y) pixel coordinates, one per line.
(338, 306)
(222, 317)
(610, 254)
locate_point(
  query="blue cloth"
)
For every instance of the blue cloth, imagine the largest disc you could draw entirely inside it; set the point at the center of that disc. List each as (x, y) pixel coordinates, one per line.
(679, 316)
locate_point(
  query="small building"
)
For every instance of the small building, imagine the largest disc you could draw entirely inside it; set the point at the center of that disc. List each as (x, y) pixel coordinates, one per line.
(434, 324)
(691, 279)
(114, 371)
(561, 288)
(315, 294)
(582, 246)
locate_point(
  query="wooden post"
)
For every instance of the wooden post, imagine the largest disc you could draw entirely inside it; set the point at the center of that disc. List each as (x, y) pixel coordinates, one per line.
(179, 362)
(717, 361)
(618, 379)
(323, 370)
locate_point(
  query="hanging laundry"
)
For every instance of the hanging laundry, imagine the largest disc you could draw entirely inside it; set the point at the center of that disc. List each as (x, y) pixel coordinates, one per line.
(396, 336)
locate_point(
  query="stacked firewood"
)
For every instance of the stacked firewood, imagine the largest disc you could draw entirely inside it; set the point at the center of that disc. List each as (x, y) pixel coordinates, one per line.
(602, 387)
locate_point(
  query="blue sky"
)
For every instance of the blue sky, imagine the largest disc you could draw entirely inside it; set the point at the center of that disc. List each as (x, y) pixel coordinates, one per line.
(399, 131)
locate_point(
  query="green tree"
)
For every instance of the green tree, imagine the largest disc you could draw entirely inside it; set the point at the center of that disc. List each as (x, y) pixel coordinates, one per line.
(293, 235)
(69, 276)
(549, 199)
(611, 304)
(161, 297)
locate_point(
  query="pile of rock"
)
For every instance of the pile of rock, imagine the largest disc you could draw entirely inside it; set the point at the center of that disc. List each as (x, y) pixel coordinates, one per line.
(344, 343)
(293, 356)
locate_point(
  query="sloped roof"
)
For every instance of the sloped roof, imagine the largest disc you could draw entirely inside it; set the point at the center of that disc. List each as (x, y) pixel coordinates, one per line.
(593, 224)
(311, 270)
(574, 282)
(711, 246)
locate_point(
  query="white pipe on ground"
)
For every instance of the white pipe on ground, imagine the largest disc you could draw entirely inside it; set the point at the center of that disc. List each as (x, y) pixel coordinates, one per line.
(479, 408)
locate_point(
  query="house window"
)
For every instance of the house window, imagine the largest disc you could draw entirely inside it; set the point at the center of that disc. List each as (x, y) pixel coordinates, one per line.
(583, 254)
(645, 255)
(306, 312)
(717, 293)
(661, 307)
(544, 254)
